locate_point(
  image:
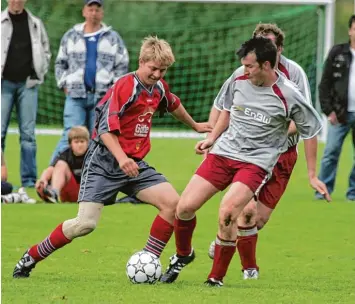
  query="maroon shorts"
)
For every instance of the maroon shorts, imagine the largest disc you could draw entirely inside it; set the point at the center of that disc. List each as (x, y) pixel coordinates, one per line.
(271, 193)
(221, 172)
(70, 191)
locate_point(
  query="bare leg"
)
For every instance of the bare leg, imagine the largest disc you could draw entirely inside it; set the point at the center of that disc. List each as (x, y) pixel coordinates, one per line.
(231, 207)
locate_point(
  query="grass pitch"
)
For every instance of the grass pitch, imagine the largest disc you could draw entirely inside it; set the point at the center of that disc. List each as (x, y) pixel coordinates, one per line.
(306, 253)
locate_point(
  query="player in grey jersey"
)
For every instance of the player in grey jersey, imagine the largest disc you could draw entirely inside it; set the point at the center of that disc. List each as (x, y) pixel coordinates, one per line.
(255, 215)
(249, 136)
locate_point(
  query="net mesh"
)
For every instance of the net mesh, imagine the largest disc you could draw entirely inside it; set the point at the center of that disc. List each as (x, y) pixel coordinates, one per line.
(204, 37)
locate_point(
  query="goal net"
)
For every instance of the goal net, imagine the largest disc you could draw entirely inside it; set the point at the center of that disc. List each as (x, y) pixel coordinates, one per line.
(203, 35)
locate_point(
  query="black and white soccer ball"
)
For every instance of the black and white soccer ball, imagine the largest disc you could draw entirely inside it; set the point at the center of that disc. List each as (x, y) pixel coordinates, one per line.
(143, 267)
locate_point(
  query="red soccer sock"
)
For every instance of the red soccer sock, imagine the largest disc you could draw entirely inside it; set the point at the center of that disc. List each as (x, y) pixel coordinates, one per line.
(50, 244)
(246, 244)
(160, 234)
(223, 254)
(183, 235)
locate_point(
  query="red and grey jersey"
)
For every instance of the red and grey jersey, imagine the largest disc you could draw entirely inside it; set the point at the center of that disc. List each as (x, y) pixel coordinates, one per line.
(127, 110)
(259, 120)
(289, 69)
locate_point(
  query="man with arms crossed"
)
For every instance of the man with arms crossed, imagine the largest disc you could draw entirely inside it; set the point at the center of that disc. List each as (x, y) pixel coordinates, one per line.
(256, 215)
(114, 161)
(249, 137)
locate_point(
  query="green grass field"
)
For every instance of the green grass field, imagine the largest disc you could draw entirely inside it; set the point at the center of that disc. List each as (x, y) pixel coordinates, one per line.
(306, 252)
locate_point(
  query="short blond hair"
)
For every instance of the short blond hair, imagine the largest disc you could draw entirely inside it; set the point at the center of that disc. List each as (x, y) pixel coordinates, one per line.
(78, 132)
(263, 29)
(155, 49)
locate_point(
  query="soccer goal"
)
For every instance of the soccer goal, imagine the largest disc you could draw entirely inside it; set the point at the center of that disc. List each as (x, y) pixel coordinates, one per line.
(204, 35)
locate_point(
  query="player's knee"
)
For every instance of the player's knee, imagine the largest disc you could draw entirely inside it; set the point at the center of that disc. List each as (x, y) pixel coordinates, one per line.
(185, 210)
(261, 221)
(226, 230)
(87, 226)
(248, 214)
(83, 226)
(170, 205)
(226, 217)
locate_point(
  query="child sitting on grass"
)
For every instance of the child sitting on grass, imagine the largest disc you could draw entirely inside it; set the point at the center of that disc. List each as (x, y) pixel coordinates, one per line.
(61, 180)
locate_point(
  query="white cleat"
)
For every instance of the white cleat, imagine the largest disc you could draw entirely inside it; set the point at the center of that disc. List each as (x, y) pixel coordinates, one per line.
(11, 198)
(211, 250)
(250, 274)
(24, 196)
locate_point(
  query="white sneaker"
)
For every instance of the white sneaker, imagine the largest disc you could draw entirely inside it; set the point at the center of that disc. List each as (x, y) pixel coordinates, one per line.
(211, 250)
(250, 274)
(11, 198)
(24, 196)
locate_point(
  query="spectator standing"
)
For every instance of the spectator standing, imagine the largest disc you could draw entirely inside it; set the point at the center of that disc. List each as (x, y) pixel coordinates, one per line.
(24, 62)
(337, 99)
(91, 58)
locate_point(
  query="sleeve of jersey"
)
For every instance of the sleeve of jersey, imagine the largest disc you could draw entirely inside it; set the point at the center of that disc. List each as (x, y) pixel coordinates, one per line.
(173, 101)
(229, 95)
(306, 118)
(108, 118)
(219, 100)
(300, 78)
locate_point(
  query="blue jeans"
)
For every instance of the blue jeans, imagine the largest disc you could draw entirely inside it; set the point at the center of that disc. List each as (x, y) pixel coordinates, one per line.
(335, 139)
(77, 112)
(26, 102)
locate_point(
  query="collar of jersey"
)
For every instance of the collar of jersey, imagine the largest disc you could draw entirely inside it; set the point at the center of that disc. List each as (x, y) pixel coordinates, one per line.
(141, 83)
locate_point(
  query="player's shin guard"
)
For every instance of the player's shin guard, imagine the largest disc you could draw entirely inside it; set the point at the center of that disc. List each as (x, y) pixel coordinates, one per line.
(54, 241)
(246, 244)
(183, 230)
(223, 255)
(160, 234)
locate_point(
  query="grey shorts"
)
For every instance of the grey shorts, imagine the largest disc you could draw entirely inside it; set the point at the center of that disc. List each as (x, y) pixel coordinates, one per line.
(102, 177)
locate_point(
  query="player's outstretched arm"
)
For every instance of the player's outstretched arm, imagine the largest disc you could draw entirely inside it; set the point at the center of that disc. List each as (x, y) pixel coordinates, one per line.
(128, 165)
(214, 115)
(310, 149)
(182, 115)
(221, 125)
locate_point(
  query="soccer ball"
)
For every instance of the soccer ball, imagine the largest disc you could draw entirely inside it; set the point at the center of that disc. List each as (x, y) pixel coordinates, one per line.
(143, 267)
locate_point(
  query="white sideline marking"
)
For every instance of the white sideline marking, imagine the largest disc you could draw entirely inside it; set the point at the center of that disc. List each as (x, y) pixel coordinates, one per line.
(153, 134)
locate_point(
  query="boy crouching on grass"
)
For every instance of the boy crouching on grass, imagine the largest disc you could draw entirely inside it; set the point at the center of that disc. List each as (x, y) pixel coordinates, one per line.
(62, 177)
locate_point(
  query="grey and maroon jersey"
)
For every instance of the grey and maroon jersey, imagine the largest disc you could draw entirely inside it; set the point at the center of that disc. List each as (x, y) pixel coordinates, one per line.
(288, 68)
(259, 120)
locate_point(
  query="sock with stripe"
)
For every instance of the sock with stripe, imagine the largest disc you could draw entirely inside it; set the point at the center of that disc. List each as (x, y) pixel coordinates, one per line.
(160, 234)
(183, 235)
(246, 244)
(223, 254)
(50, 244)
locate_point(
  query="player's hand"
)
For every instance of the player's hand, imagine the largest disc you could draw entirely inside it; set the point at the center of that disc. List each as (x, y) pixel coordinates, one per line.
(320, 187)
(129, 167)
(332, 118)
(41, 183)
(65, 91)
(205, 153)
(202, 127)
(203, 146)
